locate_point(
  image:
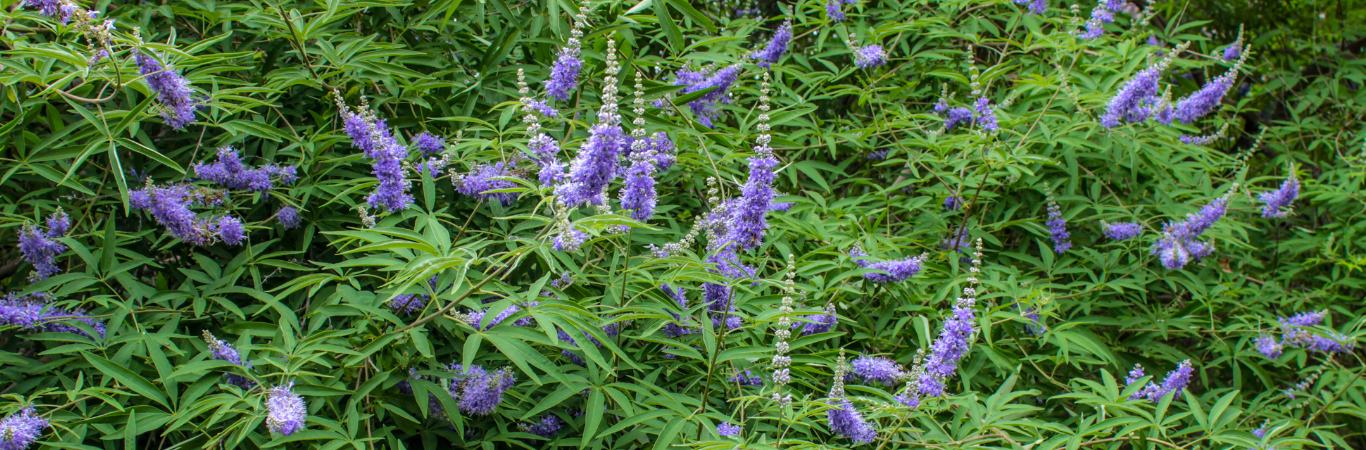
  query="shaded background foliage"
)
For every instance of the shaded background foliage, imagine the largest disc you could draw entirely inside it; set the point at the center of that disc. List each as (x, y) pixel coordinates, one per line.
(864, 159)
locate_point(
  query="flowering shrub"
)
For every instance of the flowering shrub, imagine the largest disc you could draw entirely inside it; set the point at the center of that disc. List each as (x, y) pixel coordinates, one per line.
(820, 224)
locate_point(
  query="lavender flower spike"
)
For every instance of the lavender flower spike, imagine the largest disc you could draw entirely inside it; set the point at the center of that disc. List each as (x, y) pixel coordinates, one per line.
(19, 431)
(639, 194)
(1137, 100)
(842, 418)
(370, 134)
(479, 392)
(749, 219)
(230, 172)
(705, 107)
(286, 411)
(564, 74)
(1175, 382)
(955, 339)
(897, 270)
(834, 11)
(1035, 6)
(596, 163)
(40, 248)
(223, 351)
(776, 47)
(484, 178)
(172, 90)
(1122, 231)
(869, 56)
(726, 429)
(1057, 227)
(1277, 203)
(879, 369)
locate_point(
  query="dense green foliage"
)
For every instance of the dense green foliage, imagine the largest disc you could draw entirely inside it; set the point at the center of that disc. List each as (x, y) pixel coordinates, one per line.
(862, 156)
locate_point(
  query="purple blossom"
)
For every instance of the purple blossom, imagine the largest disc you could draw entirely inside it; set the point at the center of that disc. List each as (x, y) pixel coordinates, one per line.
(984, 115)
(40, 248)
(955, 116)
(1134, 375)
(890, 271)
(818, 323)
(1178, 245)
(474, 318)
(870, 56)
(35, 312)
(373, 137)
(681, 325)
(172, 90)
(1268, 346)
(719, 303)
(59, 9)
(726, 429)
(960, 243)
(288, 217)
(880, 369)
(746, 379)
(19, 431)
(230, 230)
(846, 421)
(1175, 382)
(705, 107)
(170, 206)
(541, 107)
(1201, 102)
(569, 240)
(1123, 230)
(477, 391)
(1095, 27)
(1135, 100)
(639, 195)
(1276, 203)
(1199, 140)
(564, 74)
(953, 342)
(231, 173)
(953, 202)
(659, 145)
(223, 351)
(1233, 52)
(429, 144)
(1057, 227)
(593, 167)
(834, 11)
(749, 213)
(1035, 6)
(544, 150)
(484, 178)
(407, 303)
(1304, 319)
(776, 47)
(1035, 327)
(286, 411)
(547, 428)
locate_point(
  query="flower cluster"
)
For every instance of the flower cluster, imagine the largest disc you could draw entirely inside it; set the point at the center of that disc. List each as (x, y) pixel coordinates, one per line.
(818, 323)
(223, 351)
(286, 411)
(372, 136)
(429, 144)
(639, 196)
(842, 417)
(1138, 99)
(478, 391)
(1057, 227)
(681, 325)
(288, 217)
(879, 369)
(955, 338)
(888, 271)
(547, 428)
(1277, 203)
(782, 375)
(716, 82)
(1153, 392)
(869, 56)
(170, 206)
(981, 114)
(564, 74)
(474, 318)
(596, 164)
(231, 173)
(1122, 231)
(35, 312)
(18, 431)
(1035, 6)
(1179, 245)
(173, 90)
(726, 429)
(1295, 335)
(746, 379)
(40, 247)
(1103, 13)
(484, 178)
(776, 47)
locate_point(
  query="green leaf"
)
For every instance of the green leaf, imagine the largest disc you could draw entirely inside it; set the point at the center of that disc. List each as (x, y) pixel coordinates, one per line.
(128, 378)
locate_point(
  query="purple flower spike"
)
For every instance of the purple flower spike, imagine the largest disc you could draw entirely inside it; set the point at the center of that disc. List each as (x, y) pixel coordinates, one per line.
(1035, 6)
(1135, 100)
(34, 312)
(230, 172)
(479, 392)
(288, 217)
(746, 379)
(564, 74)
(1178, 245)
(1200, 102)
(1233, 52)
(870, 56)
(726, 429)
(706, 107)
(1277, 203)
(834, 11)
(1176, 381)
(818, 323)
(897, 270)
(547, 428)
(286, 411)
(172, 90)
(594, 167)
(879, 369)
(1057, 227)
(1268, 346)
(19, 431)
(848, 422)
(429, 144)
(483, 178)
(639, 194)
(1123, 230)
(372, 136)
(776, 47)
(40, 248)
